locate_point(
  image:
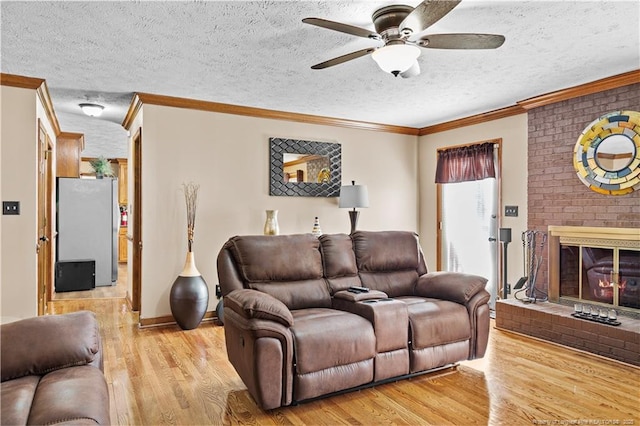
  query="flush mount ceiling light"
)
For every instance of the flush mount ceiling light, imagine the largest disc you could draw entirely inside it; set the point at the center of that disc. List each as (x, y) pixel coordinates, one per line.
(396, 58)
(92, 110)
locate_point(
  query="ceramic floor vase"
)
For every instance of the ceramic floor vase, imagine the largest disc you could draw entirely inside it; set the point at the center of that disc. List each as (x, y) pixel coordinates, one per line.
(189, 297)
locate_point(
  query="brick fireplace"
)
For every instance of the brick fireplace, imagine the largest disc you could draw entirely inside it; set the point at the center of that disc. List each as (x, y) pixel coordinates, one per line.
(557, 198)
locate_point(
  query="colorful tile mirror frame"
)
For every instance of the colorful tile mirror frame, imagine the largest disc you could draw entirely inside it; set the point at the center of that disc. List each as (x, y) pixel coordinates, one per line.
(607, 153)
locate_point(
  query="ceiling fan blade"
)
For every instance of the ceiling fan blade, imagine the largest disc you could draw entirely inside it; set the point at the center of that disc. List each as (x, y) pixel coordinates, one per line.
(426, 14)
(343, 28)
(343, 58)
(461, 41)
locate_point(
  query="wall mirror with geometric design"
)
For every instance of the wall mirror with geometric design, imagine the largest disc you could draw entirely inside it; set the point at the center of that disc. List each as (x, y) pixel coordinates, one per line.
(606, 156)
(301, 168)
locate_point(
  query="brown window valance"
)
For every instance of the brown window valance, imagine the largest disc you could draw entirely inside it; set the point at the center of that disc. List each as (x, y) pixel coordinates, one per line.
(466, 163)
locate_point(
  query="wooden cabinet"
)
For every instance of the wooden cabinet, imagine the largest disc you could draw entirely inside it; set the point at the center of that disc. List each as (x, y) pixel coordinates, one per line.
(68, 149)
(122, 181)
(122, 244)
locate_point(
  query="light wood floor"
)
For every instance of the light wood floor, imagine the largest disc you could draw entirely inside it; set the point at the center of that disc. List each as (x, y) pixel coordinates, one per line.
(168, 376)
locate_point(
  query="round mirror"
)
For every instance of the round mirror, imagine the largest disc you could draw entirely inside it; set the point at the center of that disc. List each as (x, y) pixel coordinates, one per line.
(607, 154)
(615, 152)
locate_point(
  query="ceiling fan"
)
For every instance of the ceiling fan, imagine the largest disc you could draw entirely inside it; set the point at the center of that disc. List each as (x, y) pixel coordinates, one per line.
(395, 25)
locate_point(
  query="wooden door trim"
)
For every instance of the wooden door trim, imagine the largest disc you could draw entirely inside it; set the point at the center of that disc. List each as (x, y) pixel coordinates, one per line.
(50, 222)
(136, 248)
(44, 252)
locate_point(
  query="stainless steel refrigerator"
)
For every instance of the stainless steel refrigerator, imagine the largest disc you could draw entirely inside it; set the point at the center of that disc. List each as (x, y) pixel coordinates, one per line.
(87, 224)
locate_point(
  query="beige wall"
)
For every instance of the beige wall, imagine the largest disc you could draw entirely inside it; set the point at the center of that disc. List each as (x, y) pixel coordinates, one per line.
(513, 132)
(228, 156)
(18, 278)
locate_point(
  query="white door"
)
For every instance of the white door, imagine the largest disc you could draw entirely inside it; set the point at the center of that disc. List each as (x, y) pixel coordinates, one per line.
(469, 228)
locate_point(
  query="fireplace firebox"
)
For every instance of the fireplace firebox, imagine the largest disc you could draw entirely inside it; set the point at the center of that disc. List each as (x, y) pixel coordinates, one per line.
(599, 266)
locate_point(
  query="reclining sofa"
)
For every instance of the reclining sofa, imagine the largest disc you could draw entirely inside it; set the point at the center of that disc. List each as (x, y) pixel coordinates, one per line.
(296, 330)
(52, 371)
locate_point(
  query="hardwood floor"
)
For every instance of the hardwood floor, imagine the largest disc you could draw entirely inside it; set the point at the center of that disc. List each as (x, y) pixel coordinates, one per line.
(168, 376)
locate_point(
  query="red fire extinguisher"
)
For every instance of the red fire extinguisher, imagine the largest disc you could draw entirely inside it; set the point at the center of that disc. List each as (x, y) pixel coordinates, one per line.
(123, 217)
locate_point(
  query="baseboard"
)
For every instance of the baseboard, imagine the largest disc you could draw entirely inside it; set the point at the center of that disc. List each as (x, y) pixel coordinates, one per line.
(167, 320)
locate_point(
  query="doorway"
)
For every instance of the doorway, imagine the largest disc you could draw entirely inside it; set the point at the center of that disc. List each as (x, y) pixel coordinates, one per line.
(468, 217)
(84, 169)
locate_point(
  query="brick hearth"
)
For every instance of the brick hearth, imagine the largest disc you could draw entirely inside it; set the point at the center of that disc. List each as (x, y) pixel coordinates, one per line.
(553, 322)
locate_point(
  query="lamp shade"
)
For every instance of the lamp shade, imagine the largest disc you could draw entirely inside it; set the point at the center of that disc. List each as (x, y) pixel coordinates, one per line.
(396, 58)
(353, 196)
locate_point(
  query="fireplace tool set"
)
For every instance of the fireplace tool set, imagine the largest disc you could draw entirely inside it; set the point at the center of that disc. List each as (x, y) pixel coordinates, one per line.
(533, 243)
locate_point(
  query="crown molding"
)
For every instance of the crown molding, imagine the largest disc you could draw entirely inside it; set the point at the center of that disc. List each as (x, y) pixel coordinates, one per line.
(471, 120)
(620, 80)
(20, 81)
(132, 112)
(170, 101)
(40, 86)
(45, 98)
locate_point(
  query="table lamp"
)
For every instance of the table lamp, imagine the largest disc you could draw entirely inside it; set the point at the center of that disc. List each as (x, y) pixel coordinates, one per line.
(353, 196)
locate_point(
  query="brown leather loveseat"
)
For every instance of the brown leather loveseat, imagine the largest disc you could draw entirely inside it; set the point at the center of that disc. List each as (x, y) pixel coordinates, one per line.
(295, 332)
(52, 371)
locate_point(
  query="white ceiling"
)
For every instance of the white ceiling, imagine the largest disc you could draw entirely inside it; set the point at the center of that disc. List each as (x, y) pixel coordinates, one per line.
(259, 53)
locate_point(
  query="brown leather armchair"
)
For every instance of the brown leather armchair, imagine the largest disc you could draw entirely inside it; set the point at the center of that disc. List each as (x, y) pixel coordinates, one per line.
(294, 331)
(52, 371)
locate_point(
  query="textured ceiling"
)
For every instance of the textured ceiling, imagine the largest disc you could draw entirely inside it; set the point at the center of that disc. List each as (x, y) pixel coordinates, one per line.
(259, 54)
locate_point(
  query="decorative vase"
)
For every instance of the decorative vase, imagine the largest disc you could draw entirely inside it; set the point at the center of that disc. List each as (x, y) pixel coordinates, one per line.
(189, 296)
(271, 224)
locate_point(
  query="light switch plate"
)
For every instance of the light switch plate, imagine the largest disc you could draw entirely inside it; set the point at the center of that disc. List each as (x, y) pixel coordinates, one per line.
(511, 211)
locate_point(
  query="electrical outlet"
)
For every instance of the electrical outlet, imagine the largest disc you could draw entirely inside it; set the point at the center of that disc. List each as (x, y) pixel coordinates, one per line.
(11, 207)
(511, 211)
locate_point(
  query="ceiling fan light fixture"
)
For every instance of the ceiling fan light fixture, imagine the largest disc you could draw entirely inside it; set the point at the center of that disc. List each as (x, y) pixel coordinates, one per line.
(92, 110)
(413, 71)
(396, 58)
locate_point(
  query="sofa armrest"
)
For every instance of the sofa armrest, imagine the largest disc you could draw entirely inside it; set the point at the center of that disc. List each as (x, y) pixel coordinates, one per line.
(255, 304)
(36, 346)
(454, 286)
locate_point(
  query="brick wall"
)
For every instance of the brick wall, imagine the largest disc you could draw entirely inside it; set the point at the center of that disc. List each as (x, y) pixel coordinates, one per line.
(555, 194)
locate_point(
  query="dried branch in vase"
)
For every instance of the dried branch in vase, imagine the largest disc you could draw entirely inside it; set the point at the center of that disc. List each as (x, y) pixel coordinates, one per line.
(191, 199)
